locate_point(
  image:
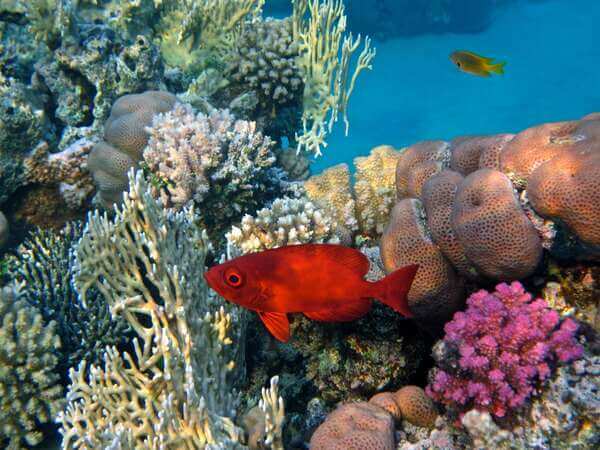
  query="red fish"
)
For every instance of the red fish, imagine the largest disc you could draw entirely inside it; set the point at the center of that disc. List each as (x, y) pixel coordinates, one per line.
(322, 281)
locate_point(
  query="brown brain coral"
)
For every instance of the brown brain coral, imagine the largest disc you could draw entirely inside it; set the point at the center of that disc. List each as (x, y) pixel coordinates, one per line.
(534, 146)
(416, 407)
(412, 157)
(568, 188)
(438, 199)
(125, 137)
(386, 400)
(470, 153)
(355, 426)
(436, 292)
(497, 237)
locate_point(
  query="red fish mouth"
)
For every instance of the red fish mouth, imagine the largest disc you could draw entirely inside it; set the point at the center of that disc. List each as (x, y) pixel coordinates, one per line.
(212, 279)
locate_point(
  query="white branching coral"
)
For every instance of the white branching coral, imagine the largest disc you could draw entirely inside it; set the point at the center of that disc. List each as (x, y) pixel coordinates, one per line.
(194, 155)
(30, 390)
(174, 391)
(273, 408)
(325, 53)
(287, 221)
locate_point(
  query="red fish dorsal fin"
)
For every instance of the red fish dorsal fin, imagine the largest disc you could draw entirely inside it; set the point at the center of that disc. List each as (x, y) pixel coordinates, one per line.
(345, 256)
(277, 324)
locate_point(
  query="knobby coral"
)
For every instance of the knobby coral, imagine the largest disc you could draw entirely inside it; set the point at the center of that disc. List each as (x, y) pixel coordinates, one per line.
(325, 54)
(174, 390)
(497, 352)
(287, 221)
(30, 391)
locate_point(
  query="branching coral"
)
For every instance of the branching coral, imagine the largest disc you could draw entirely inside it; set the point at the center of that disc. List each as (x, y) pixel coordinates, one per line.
(212, 160)
(496, 353)
(324, 59)
(174, 391)
(30, 393)
(45, 263)
(287, 221)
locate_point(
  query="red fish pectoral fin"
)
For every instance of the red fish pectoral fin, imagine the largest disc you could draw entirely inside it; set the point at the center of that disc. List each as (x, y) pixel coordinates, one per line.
(346, 312)
(277, 324)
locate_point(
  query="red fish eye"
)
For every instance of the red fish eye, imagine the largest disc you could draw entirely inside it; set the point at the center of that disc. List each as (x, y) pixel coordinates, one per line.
(233, 278)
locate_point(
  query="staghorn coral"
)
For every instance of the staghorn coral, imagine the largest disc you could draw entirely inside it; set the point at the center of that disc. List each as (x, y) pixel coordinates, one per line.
(45, 264)
(4, 230)
(331, 190)
(355, 426)
(175, 389)
(496, 235)
(567, 188)
(374, 188)
(325, 53)
(288, 221)
(265, 61)
(125, 138)
(223, 165)
(417, 408)
(496, 353)
(436, 292)
(30, 392)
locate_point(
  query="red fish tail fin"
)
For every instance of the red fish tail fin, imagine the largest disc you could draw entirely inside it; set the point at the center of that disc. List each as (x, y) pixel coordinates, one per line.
(393, 289)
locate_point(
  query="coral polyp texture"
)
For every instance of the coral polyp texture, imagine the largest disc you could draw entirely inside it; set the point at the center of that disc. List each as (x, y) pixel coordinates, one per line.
(355, 426)
(417, 408)
(499, 351)
(30, 392)
(125, 137)
(265, 61)
(288, 221)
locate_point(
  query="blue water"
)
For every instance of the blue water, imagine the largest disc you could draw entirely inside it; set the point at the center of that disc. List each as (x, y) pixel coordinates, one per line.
(414, 92)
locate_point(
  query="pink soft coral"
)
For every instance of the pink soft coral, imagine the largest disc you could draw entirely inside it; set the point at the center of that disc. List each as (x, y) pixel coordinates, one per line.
(496, 352)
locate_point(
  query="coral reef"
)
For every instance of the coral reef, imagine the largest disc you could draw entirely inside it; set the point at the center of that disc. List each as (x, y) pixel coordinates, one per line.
(265, 61)
(45, 265)
(223, 165)
(374, 188)
(175, 389)
(125, 137)
(30, 392)
(416, 407)
(296, 165)
(355, 426)
(325, 53)
(494, 355)
(287, 221)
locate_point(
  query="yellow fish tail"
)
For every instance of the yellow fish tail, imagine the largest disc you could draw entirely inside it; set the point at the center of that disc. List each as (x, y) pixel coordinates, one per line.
(497, 68)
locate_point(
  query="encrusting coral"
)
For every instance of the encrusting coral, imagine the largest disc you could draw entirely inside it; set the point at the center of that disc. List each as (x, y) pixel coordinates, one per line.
(45, 264)
(30, 390)
(496, 352)
(174, 389)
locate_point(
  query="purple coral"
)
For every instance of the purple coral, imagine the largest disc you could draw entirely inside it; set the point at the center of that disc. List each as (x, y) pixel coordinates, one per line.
(499, 350)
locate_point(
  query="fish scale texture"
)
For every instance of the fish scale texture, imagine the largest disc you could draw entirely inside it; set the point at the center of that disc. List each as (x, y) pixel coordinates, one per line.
(436, 292)
(497, 236)
(355, 426)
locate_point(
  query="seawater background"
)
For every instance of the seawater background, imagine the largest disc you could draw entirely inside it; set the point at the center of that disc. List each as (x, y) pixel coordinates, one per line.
(552, 50)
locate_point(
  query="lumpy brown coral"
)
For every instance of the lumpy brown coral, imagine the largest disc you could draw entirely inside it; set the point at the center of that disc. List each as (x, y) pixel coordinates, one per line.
(355, 426)
(415, 156)
(125, 137)
(417, 408)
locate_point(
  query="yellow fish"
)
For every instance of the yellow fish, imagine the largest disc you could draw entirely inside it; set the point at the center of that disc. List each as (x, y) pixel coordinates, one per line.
(475, 64)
